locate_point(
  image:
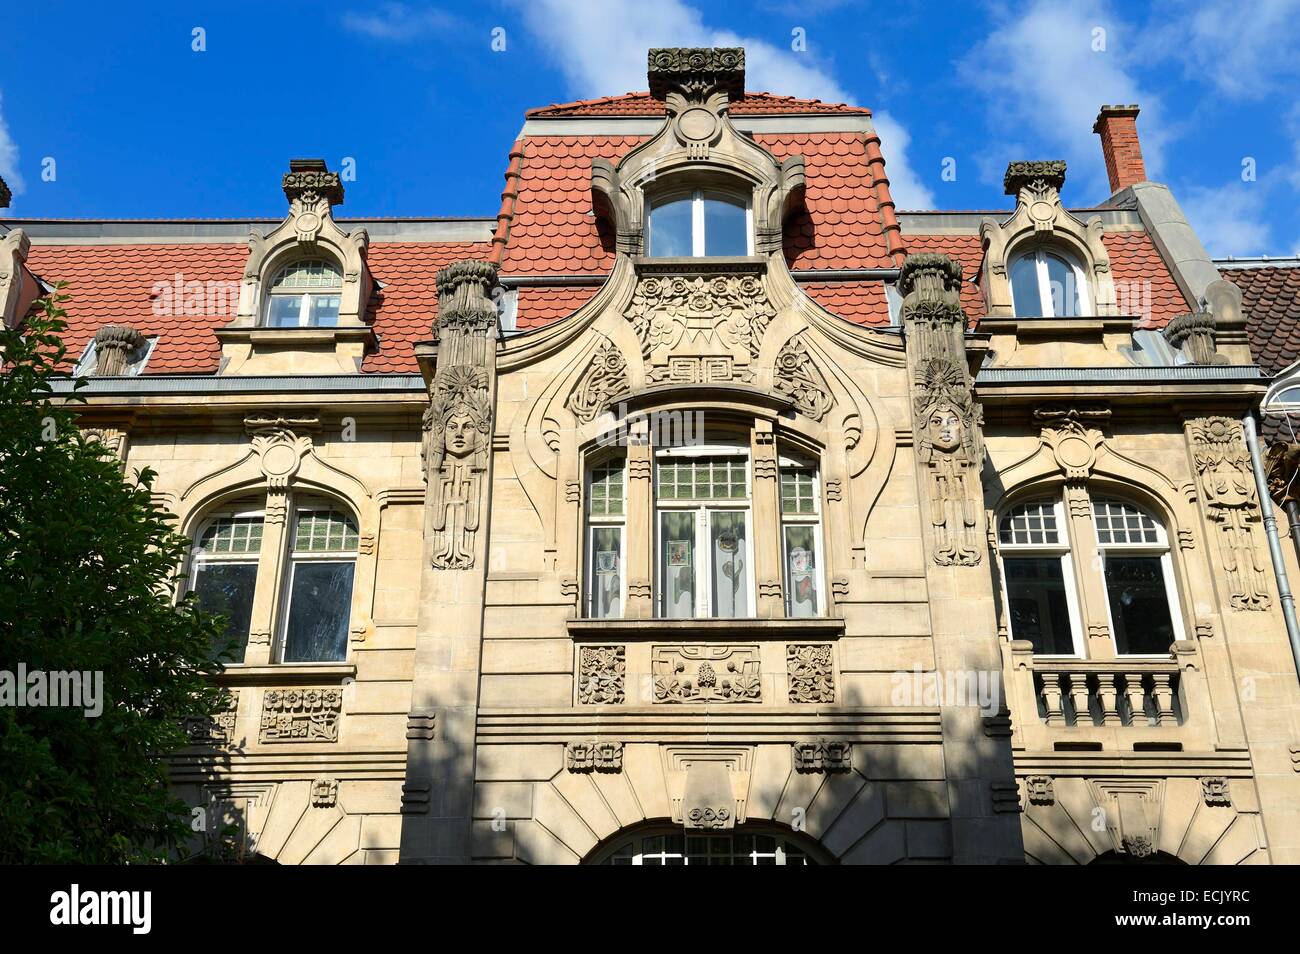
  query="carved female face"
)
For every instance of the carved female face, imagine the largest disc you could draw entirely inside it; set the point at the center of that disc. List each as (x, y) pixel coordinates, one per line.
(459, 435)
(945, 428)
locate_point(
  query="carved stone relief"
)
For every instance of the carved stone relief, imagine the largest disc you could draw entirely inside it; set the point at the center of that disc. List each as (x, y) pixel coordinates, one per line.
(1131, 810)
(706, 674)
(594, 756)
(1040, 790)
(1227, 487)
(602, 674)
(947, 423)
(708, 785)
(796, 377)
(457, 424)
(220, 729)
(301, 715)
(324, 792)
(1074, 436)
(604, 380)
(822, 756)
(812, 675)
(1215, 791)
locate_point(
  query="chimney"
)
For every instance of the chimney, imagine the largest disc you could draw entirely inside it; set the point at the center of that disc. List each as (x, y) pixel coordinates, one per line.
(1117, 126)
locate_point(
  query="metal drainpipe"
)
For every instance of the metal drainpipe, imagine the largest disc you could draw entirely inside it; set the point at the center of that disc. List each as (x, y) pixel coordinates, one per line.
(1274, 544)
(1293, 520)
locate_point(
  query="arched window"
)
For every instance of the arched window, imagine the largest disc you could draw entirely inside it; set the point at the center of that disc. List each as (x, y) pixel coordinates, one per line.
(305, 294)
(1036, 566)
(224, 573)
(801, 538)
(319, 585)
(700, 223)
(606, 515)
(702, 505)
(1127, 548)
(1047, 283)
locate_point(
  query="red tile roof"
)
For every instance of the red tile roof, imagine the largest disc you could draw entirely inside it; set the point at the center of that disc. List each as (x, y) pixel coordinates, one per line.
(116, 284)
(1144, 285)
(643, 104)
(541, 306)
(1270, 300)
(860, 302)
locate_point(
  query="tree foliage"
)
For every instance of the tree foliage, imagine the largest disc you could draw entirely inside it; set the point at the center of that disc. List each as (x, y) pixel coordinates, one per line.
(88, 572)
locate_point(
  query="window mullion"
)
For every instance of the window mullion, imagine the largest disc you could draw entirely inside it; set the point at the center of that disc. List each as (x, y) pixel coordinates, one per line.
(697, 224)
(265, 609)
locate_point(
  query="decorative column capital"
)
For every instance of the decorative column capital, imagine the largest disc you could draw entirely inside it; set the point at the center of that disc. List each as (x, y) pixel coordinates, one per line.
(309, 178)
(1194, 334)
(113, 347)
(465, 296)
(696, 72)
(1049, 173)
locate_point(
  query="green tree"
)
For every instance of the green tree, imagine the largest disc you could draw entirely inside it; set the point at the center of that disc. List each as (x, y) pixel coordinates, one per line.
(88, 570)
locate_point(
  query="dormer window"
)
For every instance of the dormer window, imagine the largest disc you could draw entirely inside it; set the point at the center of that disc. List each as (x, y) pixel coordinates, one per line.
(700, 224)
(305, 294)
(1047, 284)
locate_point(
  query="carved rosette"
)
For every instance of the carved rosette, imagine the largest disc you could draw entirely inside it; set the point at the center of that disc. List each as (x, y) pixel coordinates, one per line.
(1215, 791)
(604, 380)
(583, 757)
(696, 329)
(947, 423)
(1228, 496)
(324, 792)
(822, 756)
(602, 672)
(812, 675)
(301, 715)
(1040, 790)
(458, 422)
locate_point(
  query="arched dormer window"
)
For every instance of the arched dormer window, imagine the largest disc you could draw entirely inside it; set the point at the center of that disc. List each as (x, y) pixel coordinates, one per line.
(700, 223)
(304, 294)
(1048, 283)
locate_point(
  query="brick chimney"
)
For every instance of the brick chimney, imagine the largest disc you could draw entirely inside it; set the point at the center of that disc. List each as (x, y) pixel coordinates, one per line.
(1117, 126)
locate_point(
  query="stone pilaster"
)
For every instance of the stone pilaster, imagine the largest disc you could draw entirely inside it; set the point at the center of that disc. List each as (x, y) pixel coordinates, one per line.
(458, 428)
(948, 432)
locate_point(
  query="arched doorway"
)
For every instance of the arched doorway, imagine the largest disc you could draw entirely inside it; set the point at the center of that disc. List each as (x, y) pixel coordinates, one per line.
(668, 844)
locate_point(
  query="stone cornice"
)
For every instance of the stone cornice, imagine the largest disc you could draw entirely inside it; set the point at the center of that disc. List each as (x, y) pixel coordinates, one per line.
(697, 70)
(1020, 174)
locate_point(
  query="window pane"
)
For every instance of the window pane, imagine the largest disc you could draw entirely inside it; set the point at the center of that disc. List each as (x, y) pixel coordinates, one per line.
(312, 273)
(1120, 522)
(703, 478)
(319, 606)
(325, 531)
(605, 498)
(1024, 287)
(725, 232)
(1038, 608)
(1031, 524)
(283, 311)
(677, 563)
(797, 494)
(727, 544)
(670, 229)
(1064, 287)
(227, 589)
(1139, 604)
(802, 598)
(323, 311)
(606, 572)
(233, 535)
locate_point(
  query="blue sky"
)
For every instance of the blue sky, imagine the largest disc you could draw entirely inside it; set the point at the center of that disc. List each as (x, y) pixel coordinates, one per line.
(109, 111)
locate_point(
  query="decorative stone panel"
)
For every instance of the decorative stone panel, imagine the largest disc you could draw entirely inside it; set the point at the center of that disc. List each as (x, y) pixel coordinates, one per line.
(706, 674)
(811, 671)
(1040, 790)
(822, 756)
(1216, 791)
(218, 730)
(602, 674)
(594, 756)
(301, 715)
(324, 792)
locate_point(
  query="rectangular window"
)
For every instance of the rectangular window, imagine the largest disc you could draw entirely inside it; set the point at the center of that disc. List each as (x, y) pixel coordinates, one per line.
(1037, 603)
(801, 539)
(605, 516)
(677, 563)
(227, 589)
(1139, 604)
(729, 564)
(320, 598)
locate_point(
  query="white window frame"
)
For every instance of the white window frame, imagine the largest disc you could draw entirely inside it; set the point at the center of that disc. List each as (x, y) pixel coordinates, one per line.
(813, 520)
(1062, 550)
(1160, 549)
(698, 198)
(1046, 305)
(305, 296)
(295, 558)
(599, 521)
(701, 509)
(202, 558)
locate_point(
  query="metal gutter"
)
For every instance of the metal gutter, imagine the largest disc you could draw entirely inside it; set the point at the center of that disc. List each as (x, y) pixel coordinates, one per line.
(244, 384)
(1177, 373)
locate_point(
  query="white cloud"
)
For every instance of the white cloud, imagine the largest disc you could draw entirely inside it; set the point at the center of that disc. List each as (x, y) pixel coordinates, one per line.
(1229, 219)
(1044, 79)
(601, 49)
(8, 156)
(396, 21)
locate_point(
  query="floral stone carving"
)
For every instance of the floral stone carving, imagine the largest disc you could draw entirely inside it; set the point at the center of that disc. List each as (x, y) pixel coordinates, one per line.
(218, 730)
(822, 756)
(601, 675)
(706, 674)
(812, 677)
(796, 377)
(1228, 494)
(604, 380)
(301, 715)
(594, 756)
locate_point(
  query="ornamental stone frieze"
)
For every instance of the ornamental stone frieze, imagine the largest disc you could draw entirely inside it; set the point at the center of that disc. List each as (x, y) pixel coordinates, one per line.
(301, 715)
(457, 425)
(583, 757)
(1228, 498)
(700, 328)
(812, 675)
(604, 380)
(822, 756)
(690, 674)
(947, 423)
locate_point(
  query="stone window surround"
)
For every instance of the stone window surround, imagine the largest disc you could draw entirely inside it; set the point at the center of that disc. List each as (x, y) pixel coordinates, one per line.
(271, 591)
(1092, 629)
(765, 449)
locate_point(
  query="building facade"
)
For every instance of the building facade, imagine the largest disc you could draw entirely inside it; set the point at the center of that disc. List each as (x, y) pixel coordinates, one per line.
(703, 507)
